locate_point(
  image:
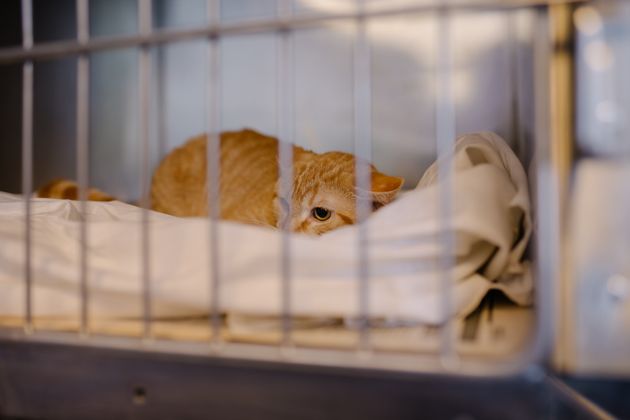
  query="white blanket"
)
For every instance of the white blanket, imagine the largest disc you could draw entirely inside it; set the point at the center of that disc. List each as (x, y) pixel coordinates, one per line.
(490, 223)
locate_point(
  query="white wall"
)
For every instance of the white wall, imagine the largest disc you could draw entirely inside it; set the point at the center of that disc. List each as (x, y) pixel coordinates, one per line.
(487, 64)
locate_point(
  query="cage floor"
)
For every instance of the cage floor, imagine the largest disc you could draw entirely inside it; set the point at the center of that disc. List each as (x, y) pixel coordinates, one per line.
(497, 327)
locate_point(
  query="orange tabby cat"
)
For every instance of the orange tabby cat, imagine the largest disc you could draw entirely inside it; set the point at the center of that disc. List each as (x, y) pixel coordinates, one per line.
(323, 191)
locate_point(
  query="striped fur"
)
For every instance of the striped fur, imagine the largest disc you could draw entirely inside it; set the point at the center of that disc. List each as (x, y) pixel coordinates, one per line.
(69, 190)
(248, 184)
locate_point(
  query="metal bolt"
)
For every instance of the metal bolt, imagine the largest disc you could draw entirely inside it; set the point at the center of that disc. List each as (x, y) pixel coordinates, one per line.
(618, 287)
(139, 395)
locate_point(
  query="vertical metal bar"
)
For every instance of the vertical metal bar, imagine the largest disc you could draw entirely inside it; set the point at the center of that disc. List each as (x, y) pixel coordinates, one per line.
(161, 98)
(144, 25)
(512, 45)
(557, 164)
(27, 157)
(363, 155)
(214, 168)
(561, 77)
(284, 115)
(445, 137)
(544, 190)
(82, 121)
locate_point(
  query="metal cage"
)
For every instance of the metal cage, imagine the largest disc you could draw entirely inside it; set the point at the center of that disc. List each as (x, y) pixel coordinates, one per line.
(547, 145)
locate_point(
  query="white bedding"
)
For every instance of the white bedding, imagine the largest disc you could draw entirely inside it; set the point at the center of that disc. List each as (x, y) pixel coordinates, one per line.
(491, 224)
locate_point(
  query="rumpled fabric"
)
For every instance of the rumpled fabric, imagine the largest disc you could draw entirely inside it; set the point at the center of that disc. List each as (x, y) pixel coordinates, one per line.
(413, 254)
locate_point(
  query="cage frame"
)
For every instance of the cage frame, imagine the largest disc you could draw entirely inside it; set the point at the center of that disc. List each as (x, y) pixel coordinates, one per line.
(553, 130)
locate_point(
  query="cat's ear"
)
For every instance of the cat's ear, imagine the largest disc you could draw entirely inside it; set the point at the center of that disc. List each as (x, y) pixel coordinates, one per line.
(384, 187)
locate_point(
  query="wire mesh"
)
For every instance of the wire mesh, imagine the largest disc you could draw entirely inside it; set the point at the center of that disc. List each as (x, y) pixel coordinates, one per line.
(213, 32)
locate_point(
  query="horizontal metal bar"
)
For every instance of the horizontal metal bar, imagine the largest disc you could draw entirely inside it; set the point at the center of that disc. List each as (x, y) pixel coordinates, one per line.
(426, 363)
(52, 50)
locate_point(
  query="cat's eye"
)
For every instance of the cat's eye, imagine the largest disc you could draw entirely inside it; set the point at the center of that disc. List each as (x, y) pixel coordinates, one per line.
(321, 213)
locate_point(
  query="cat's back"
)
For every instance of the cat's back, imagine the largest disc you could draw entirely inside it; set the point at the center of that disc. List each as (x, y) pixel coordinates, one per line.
(248, 174)
(245, 152)
(179, 180)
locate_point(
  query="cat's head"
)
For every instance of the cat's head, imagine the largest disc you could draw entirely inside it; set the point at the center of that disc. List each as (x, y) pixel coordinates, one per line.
(324, 193)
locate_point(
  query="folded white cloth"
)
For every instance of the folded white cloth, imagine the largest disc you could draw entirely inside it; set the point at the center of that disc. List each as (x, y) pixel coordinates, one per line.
(490, 224)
